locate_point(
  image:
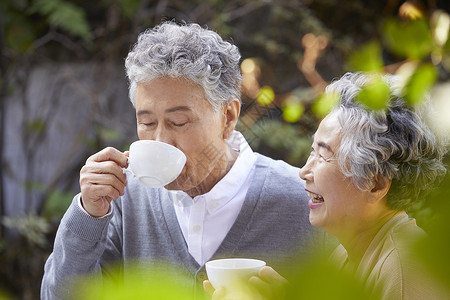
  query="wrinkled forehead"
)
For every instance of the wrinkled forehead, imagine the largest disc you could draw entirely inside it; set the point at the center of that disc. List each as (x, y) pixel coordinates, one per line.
(329, 132)
(332, 122)
(346, 119)
(171, 94)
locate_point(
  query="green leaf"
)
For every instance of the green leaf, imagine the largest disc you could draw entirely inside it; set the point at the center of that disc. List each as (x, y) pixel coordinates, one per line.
(265, 95)
(4, 296)
(420, 83)
(57, 203)
(63, 15)
(163, 283)
(375, 95)
(20, 36)
(368, 58)
(412, 39)
(108, 134)
(37, 126)
(323, 105)
(129, 7)
(32, 227)
(34, 186)
(292, 110)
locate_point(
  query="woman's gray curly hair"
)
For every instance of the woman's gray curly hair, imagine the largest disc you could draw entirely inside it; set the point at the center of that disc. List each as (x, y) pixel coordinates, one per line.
(394, 142)
(190, 52)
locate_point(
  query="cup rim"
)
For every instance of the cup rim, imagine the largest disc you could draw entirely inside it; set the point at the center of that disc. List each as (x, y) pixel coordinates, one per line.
(211, 263)
(155, 142)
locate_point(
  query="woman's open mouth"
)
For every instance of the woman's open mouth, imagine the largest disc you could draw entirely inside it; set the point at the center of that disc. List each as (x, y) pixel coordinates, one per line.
(316, 200)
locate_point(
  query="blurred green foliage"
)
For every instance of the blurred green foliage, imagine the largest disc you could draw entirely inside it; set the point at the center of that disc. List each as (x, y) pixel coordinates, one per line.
(33, 228)
(324, 103)
(292, 110)
(270, 31)
(368, 58)
(36, 126)
(128, 7)
(408, 39)
(266, 95)
(136, 286)
(64, 15)
(274, 137)
(375, 95)
(20, 36)
(4, 296)
(318, 279)
(420, 83)
(56, 205)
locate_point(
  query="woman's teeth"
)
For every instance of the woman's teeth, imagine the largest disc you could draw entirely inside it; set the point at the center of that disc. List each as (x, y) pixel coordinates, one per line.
(315, 197)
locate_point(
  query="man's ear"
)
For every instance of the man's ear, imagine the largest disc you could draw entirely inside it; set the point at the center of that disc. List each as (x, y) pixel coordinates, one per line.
(231, 113)
(380, 188)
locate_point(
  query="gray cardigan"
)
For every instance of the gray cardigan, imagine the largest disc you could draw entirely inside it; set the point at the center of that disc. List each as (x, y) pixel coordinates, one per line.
(272, 225)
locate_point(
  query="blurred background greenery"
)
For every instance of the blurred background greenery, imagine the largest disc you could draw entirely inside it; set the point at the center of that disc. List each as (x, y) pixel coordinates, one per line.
(63, 96)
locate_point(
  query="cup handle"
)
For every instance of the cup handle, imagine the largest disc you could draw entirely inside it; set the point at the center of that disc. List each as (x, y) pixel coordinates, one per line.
(127, 169)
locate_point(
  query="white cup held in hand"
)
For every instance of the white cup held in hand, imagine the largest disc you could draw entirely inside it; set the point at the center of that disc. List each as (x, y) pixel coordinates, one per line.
(154, 163)
(233, 274)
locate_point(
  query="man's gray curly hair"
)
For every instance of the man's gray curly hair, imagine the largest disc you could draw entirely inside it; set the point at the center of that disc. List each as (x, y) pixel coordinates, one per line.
(190, 52)
(394, 142)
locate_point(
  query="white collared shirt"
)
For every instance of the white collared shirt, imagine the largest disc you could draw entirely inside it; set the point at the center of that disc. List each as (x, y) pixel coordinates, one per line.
(206, 219)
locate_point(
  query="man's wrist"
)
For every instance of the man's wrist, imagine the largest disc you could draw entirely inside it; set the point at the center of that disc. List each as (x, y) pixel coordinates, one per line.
(81, 206)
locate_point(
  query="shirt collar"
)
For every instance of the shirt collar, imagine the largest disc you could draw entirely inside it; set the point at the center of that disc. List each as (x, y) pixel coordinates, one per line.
(225, 190)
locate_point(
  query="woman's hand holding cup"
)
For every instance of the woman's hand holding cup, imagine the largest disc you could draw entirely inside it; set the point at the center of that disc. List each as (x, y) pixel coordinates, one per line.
(269, 283)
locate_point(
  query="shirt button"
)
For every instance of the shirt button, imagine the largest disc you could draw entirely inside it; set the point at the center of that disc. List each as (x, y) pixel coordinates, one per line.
(201, 276)
(196, 228)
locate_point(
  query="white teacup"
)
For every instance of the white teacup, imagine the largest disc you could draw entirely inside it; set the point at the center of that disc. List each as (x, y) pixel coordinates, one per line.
(233, 274)
(154, 163)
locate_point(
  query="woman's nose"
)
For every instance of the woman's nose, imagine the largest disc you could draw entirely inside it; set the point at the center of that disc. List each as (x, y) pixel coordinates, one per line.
(305, 172)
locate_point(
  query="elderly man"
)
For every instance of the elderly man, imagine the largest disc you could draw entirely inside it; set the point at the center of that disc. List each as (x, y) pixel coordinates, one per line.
(185, 86)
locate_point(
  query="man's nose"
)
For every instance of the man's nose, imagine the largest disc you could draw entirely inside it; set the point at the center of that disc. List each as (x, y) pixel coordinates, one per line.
(163, 135)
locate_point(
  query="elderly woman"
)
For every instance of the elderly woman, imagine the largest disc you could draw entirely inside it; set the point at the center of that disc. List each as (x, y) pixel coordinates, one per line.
(365, 168)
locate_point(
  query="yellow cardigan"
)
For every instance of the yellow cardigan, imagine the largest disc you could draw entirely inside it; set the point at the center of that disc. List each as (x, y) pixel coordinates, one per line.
(388, 268)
